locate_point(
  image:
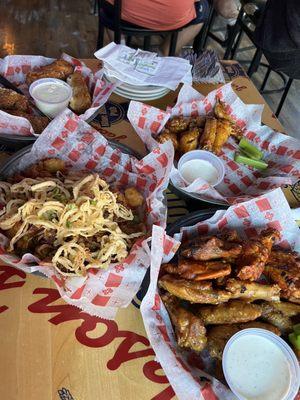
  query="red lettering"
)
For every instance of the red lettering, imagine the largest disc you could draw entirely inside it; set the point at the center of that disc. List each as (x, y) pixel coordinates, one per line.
(6, 273)
(123, 354)
(167, 394)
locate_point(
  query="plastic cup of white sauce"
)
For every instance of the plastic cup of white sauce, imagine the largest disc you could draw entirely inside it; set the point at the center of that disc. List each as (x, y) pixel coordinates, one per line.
(259, 365)
(201, 164)
(50, 95)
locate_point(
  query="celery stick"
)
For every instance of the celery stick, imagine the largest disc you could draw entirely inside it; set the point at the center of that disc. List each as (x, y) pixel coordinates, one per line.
(250, 150)
(241, 159)
(296, 329)
(295, 340)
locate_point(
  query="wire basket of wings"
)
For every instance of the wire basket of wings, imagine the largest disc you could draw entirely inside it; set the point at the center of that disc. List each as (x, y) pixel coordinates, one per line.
(235, 270)
(19, 120)
(256, 158)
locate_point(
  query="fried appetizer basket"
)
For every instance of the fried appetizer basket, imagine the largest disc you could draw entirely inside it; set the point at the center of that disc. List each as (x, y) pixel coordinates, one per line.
(81, 148)
(209, 315)
(22, 70)
(204, 118)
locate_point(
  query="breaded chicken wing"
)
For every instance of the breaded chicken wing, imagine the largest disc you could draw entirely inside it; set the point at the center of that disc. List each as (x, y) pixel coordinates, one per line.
(229, 313)
(59, 69)
(178, 124)
(189, 140)
(255, 254)
(209, 134)
(81, 99)
(219, 335)
(198, 122)
(252, 290)
(195, 292)
(189, 329)
(11, 100)
(221, 113)
(224, 130)
(38, 122)
(211, 248)
(167, 135)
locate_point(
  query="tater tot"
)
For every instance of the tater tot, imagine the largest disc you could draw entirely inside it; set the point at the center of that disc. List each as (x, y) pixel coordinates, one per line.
(133, 197)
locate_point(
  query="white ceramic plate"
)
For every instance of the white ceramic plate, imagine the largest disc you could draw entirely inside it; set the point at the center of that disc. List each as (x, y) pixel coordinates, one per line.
(140, 97)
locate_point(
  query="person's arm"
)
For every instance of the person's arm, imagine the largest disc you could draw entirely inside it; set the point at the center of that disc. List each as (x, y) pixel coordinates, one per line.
(226, 8)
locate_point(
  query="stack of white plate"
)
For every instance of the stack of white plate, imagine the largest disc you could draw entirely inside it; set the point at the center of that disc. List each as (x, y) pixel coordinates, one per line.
(139, 92)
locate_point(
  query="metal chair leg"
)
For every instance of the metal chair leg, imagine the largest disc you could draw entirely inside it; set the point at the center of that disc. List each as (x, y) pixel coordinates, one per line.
(147, 42)
(255, 62)
(201, 39)
(235, 31)
(128, 40)
(173, 43)
(100, 40)
(236, 44)
(285, 93)
(263, 85)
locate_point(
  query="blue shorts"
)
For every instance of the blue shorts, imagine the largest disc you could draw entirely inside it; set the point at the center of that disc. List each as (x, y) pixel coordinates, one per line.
(202, 9)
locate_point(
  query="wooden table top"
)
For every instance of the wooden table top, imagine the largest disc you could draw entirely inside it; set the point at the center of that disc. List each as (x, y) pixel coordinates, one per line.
(51, 350)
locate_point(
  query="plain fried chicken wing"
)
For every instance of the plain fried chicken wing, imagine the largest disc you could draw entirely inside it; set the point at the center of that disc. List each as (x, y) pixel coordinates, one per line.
(219, 335)
(81, 99)
(178, 124)
(274, 316)
(209, 134)
(189, 329)
(224, 130)
(252, 290)
(255, 254)
(221, 113)
(195, 292)
(229, 313)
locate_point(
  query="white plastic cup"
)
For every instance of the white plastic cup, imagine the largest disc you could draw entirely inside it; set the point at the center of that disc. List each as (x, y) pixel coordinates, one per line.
(206, 156)
(280, 343)
(50, 108)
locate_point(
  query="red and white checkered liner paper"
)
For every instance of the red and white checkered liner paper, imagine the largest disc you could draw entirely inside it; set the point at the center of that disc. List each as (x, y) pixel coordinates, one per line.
(15, 68)
(184, 369)
(241, 182)
(71, 139)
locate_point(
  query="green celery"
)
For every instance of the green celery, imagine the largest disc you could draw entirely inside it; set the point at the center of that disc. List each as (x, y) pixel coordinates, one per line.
(250, 150)
(241, 159)
(296, 329)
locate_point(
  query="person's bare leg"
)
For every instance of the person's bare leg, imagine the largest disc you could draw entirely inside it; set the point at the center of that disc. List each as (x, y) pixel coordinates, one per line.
(185, 37)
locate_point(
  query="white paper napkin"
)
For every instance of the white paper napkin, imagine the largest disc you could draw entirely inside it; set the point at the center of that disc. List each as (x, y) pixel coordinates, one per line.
(138, 67)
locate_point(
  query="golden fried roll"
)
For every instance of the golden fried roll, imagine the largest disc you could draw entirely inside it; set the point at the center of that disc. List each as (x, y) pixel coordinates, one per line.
(195, 292)
(229, 313)
(59, 69)
(224, 130)
(209, 134)
(221, 113)
(81, 98)
(252, 290)
(202, 270)
(11, 100)
(167, 135)
(219, 335)
(189, 329)
(189, 140)
(178, 124)
(275, 317)
(38, 122)
(133, 197)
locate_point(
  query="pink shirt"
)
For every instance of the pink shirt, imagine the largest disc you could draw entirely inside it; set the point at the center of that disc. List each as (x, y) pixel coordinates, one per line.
(158, 14)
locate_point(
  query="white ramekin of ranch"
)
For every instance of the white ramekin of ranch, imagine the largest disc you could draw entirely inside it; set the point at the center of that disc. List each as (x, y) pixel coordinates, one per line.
(259, 365)
(201, 164)
(50, 95)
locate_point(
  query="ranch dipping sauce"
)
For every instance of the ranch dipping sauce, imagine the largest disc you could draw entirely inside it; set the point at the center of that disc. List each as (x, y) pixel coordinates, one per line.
(201, 164)
(193, 169)
(51, 95)
(257, 367)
